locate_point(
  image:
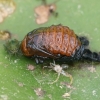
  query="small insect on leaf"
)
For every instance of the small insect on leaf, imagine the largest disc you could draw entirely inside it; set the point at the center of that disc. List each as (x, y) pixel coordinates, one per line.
(5, 35)
(43, 12)
(59, 69)
(7, 7)
(12, 47)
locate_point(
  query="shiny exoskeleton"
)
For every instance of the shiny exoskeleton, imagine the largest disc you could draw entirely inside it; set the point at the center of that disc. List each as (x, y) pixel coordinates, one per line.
(57, 42)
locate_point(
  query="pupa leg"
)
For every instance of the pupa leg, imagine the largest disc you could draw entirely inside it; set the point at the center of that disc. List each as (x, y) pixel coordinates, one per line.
(39, 60)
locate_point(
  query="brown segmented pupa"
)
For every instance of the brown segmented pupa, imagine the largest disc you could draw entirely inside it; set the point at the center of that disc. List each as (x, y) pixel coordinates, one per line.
(57, 42)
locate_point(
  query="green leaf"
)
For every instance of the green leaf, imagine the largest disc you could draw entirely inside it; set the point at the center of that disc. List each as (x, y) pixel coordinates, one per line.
(19, 83)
